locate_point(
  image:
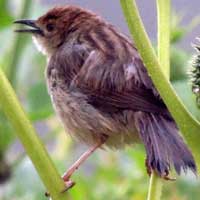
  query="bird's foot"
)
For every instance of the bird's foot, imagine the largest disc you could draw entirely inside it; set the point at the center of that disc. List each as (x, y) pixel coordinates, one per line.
(164, 176)
(167, 178)
(68, 185)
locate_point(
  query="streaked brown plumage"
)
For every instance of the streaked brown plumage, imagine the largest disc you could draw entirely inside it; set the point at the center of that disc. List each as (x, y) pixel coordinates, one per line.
(101, 90)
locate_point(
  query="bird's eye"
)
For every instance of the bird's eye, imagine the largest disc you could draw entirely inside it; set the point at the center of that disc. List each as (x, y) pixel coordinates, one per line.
(50, 27)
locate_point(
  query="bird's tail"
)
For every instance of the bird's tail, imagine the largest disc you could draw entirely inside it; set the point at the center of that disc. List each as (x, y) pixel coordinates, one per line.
(163, 144)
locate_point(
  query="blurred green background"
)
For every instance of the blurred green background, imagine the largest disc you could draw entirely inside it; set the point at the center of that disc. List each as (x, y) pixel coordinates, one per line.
(107, 174)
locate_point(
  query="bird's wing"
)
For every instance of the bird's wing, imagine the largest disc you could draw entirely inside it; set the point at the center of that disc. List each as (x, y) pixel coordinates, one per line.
(112, 85)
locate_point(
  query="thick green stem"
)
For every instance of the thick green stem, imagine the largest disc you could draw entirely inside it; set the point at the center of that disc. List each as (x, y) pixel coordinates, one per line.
(18, 46)
(155, 188)
(163, 16)
(189, 127)
(28, 137)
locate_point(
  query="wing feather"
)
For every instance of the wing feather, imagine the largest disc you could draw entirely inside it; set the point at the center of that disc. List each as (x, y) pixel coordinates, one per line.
(105, 83)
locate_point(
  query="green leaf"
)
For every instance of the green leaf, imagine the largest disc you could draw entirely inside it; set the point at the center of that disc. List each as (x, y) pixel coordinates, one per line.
(178, 64)
(184, 91)
(177, 34)
(5, 15)
(39, 104)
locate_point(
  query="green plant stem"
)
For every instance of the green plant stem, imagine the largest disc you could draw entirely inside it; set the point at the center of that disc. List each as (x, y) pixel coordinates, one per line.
(163, 16)
(31, 142)
(155, 188)
(17, 46)
(189, 127)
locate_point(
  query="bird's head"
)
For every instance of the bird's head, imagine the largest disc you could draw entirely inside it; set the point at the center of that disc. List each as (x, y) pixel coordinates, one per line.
(50, 30)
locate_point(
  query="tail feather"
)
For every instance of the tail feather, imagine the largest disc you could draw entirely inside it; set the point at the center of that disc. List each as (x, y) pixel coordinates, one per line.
(163, 144)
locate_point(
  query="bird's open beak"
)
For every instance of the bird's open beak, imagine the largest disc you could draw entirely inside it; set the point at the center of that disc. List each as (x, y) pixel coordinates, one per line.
(33, 28)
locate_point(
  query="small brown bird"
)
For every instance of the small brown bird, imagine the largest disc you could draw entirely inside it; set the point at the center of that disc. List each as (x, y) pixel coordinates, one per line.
(102, 92)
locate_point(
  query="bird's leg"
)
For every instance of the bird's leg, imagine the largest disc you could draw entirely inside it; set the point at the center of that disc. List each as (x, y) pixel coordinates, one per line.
(76, 165)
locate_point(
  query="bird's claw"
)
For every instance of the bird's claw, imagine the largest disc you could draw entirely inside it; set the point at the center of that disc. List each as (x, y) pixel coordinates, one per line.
(164, 176)
(68, 185)
(167, 178)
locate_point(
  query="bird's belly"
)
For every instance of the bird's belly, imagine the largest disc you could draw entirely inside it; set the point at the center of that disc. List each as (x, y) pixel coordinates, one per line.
(85, 123)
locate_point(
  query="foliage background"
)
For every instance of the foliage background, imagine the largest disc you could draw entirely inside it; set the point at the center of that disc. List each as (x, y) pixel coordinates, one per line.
(113, 175)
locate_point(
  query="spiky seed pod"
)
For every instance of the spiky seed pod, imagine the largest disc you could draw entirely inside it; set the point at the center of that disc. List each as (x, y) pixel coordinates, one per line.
(195, 74)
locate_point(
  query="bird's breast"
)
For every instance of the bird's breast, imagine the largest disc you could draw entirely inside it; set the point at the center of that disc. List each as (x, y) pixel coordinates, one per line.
(87, 124)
